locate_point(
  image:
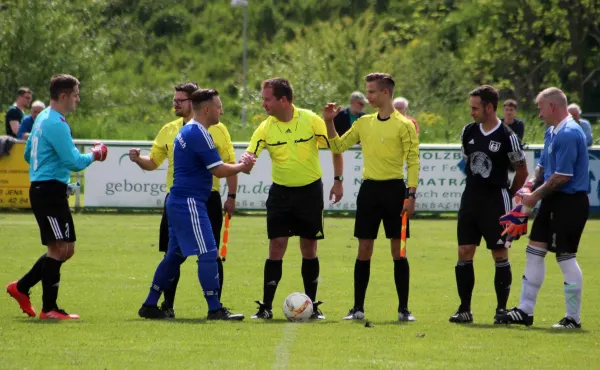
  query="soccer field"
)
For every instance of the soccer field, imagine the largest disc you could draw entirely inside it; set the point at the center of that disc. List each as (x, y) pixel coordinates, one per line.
(108, 279)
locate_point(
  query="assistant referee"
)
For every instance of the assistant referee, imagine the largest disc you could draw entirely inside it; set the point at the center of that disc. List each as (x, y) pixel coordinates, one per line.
(162, 148)
(387, 138)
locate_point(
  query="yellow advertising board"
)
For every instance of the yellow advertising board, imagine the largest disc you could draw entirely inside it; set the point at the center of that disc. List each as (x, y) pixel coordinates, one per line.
(14, 179)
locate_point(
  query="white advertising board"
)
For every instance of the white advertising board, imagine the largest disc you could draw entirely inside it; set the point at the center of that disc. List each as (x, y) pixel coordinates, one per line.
(117, 182)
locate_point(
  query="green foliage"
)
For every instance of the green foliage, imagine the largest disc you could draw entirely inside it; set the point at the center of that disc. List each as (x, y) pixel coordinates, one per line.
(130, 53)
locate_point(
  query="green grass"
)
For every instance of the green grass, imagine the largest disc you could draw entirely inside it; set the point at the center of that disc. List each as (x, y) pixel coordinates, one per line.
(109, 277)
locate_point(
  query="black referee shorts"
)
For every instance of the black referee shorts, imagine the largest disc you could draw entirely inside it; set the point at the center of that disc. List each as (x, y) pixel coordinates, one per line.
(163, 236)
(295, 211)
(215, 215)
(377, 201)
(50, 206)
(560, 221)
(479, 216)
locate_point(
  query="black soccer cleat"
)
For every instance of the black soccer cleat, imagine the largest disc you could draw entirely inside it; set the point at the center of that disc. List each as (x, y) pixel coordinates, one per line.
(406, 315)
(170, 311)
(263, 312)
(500, 312)
(224, 314)
(567, 323)
(355, 314)
(516, 316)
(152, 312)
(462, 317)
(317, 314)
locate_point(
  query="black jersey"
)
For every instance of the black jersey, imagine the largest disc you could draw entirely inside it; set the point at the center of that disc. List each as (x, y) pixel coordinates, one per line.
(489, 156)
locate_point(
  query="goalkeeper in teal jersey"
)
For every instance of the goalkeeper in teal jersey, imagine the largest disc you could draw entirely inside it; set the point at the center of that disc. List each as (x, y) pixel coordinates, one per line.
(52, 156)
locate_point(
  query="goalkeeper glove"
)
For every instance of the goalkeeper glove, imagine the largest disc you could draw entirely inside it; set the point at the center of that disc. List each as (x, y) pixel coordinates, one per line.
(100, 151)
(515, 222)
(72, 188)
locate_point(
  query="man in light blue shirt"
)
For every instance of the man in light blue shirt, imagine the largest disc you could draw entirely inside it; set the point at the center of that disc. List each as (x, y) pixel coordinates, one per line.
(52, 156)
(575, 111)
(561, 182)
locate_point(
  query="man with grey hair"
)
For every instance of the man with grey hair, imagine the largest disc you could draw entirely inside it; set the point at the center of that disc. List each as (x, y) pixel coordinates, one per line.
(346, 118)
(561, 182)
(401, 105)
(575, 111)
(27, 122)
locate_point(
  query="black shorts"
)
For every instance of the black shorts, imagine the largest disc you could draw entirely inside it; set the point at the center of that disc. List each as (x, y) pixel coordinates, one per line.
(560, 221)
(215, 215)
(163, 236)
(50, 206)
(377, 201)
(295, 211)
(479, 216)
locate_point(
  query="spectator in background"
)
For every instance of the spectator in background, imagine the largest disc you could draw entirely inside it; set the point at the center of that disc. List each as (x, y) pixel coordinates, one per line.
(15, 113)
(510, 118)
(575, 111)
(344, 120)
(27, 122)
(401, 105)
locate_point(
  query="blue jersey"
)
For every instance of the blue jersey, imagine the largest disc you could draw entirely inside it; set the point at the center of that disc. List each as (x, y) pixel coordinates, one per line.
(50, 150)
(565, 153)
(194, 154)
(25, 126)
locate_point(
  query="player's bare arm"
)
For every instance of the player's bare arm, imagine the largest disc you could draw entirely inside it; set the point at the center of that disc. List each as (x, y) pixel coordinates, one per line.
(144, 161)
(554, 183)
(521, 174)
(227, 170)
(229, 205)
(337, 190)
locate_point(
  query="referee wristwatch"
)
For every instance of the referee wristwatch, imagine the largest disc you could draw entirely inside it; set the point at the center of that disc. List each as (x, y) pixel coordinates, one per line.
(339, 178)
(231, 195)
(413, 195)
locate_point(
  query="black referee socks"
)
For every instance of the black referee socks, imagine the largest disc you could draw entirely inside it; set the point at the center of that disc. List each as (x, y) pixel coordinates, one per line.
(402, 279)
(273, 272)
(310, 277)
(362, 273)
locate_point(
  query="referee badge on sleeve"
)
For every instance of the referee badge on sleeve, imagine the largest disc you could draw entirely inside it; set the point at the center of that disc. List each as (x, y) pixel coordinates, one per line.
(494, 146)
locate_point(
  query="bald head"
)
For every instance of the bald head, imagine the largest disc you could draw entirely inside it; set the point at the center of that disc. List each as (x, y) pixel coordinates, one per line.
(401, 105)
(552, 103)
(553, 95)
(575, 111)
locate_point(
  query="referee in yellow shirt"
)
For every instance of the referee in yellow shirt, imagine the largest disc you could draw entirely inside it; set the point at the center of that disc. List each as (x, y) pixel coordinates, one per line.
(222, 141)
(162, 148)
(387, 139)
(295, 206)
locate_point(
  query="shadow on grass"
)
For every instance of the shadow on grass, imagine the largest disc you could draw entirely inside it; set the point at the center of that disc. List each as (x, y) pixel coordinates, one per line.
(521, 327)
(33, 320)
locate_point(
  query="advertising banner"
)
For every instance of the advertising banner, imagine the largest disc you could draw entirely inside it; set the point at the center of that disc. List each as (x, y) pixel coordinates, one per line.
(118, 182)
(14, 179)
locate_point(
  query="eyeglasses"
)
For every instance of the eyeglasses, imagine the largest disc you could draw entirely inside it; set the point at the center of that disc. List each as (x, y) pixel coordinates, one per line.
(179, 101)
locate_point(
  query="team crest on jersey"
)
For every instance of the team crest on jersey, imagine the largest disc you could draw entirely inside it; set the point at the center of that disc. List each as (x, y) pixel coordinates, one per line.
(494, 146)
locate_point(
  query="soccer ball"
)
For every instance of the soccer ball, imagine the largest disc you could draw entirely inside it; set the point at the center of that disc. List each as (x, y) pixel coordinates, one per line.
(297, 307)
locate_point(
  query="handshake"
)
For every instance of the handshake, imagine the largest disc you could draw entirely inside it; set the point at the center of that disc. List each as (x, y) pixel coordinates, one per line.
(247, 161)
(515, 221)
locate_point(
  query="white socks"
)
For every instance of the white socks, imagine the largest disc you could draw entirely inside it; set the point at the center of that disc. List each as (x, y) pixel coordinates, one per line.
(573, 284)
(535, 270)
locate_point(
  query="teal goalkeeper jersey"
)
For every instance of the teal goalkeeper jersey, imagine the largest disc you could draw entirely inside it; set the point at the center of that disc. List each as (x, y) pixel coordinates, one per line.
(50, 150)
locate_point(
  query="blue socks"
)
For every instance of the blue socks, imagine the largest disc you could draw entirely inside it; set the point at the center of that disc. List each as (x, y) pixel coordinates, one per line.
(164, 275)
(208, 274)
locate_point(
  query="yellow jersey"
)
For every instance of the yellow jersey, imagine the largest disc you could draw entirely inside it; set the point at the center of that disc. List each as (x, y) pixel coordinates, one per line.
(162, 147)
(386, 144)
(222, 140)
(293, 147)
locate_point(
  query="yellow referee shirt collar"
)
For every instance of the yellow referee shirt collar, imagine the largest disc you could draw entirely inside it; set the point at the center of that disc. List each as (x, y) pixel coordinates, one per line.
(296, 115)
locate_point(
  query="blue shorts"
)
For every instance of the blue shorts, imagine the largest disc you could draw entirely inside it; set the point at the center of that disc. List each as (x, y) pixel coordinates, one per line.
(189, 226)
